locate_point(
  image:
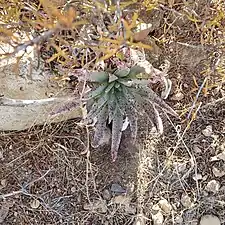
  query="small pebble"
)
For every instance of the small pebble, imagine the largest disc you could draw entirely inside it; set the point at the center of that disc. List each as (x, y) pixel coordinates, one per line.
(197, 149)
(157, 218)
(165, 206)
(106, 194)
(34, 204)
(213, 186)
(180, 167)
(210, 220)
(121, 199)
(117, 189)
(73, 190)
(217, 172)
(186, 201)
(197, 177)
(207, 131)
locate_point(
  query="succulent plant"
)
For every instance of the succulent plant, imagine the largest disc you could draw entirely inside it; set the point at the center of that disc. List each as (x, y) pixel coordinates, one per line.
(118, 94)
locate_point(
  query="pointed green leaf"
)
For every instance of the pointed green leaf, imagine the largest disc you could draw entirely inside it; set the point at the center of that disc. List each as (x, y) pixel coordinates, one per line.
(99, 77)
(112, 78)
(122, 72)
(112, 103)
(98, 91)
(135, 70)
(110, 86)
(98, 104)
(127, 83)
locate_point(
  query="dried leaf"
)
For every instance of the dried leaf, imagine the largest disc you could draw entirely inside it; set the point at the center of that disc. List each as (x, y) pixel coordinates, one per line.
(158, 120)
(132, 117)
(153, 97)
(143, 31)
(168, 86)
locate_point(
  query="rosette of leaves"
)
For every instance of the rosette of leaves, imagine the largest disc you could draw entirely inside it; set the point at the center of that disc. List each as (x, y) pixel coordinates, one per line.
(118, 94)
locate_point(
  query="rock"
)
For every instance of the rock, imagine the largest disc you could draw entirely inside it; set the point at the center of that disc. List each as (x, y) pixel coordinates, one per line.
(213, 186)
(179, 220)
(186, 201)
(73, 189)
(3, 183)
(131, 209)
(207, 131)
(140, 219)
(117, 189)
(157, 218)
(220, 156)
(197, 177)
(29, 83)
(121, 199)
(191, 55)
(180, 167)
(197, 149)
(1, 155)
(34, 204)
(210, 220)
(217, 172)
(98, 205)
(178, 96)
(125, 201)
(106, 194)
(165, 206)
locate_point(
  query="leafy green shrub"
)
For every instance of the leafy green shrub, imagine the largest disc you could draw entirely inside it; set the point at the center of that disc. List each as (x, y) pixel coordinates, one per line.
(118, 94)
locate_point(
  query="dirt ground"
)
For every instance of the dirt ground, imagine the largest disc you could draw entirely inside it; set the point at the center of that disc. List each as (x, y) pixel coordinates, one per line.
(170, 179)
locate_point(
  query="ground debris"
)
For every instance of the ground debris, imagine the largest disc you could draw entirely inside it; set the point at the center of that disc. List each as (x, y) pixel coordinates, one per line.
(213, 186)
(117, 189)
(106, 194)
(157, 218)
(165, 206)
(186, 201)
(208, 131)
(218, 172)
(97, 205)
(4, 209)
(34, 204)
